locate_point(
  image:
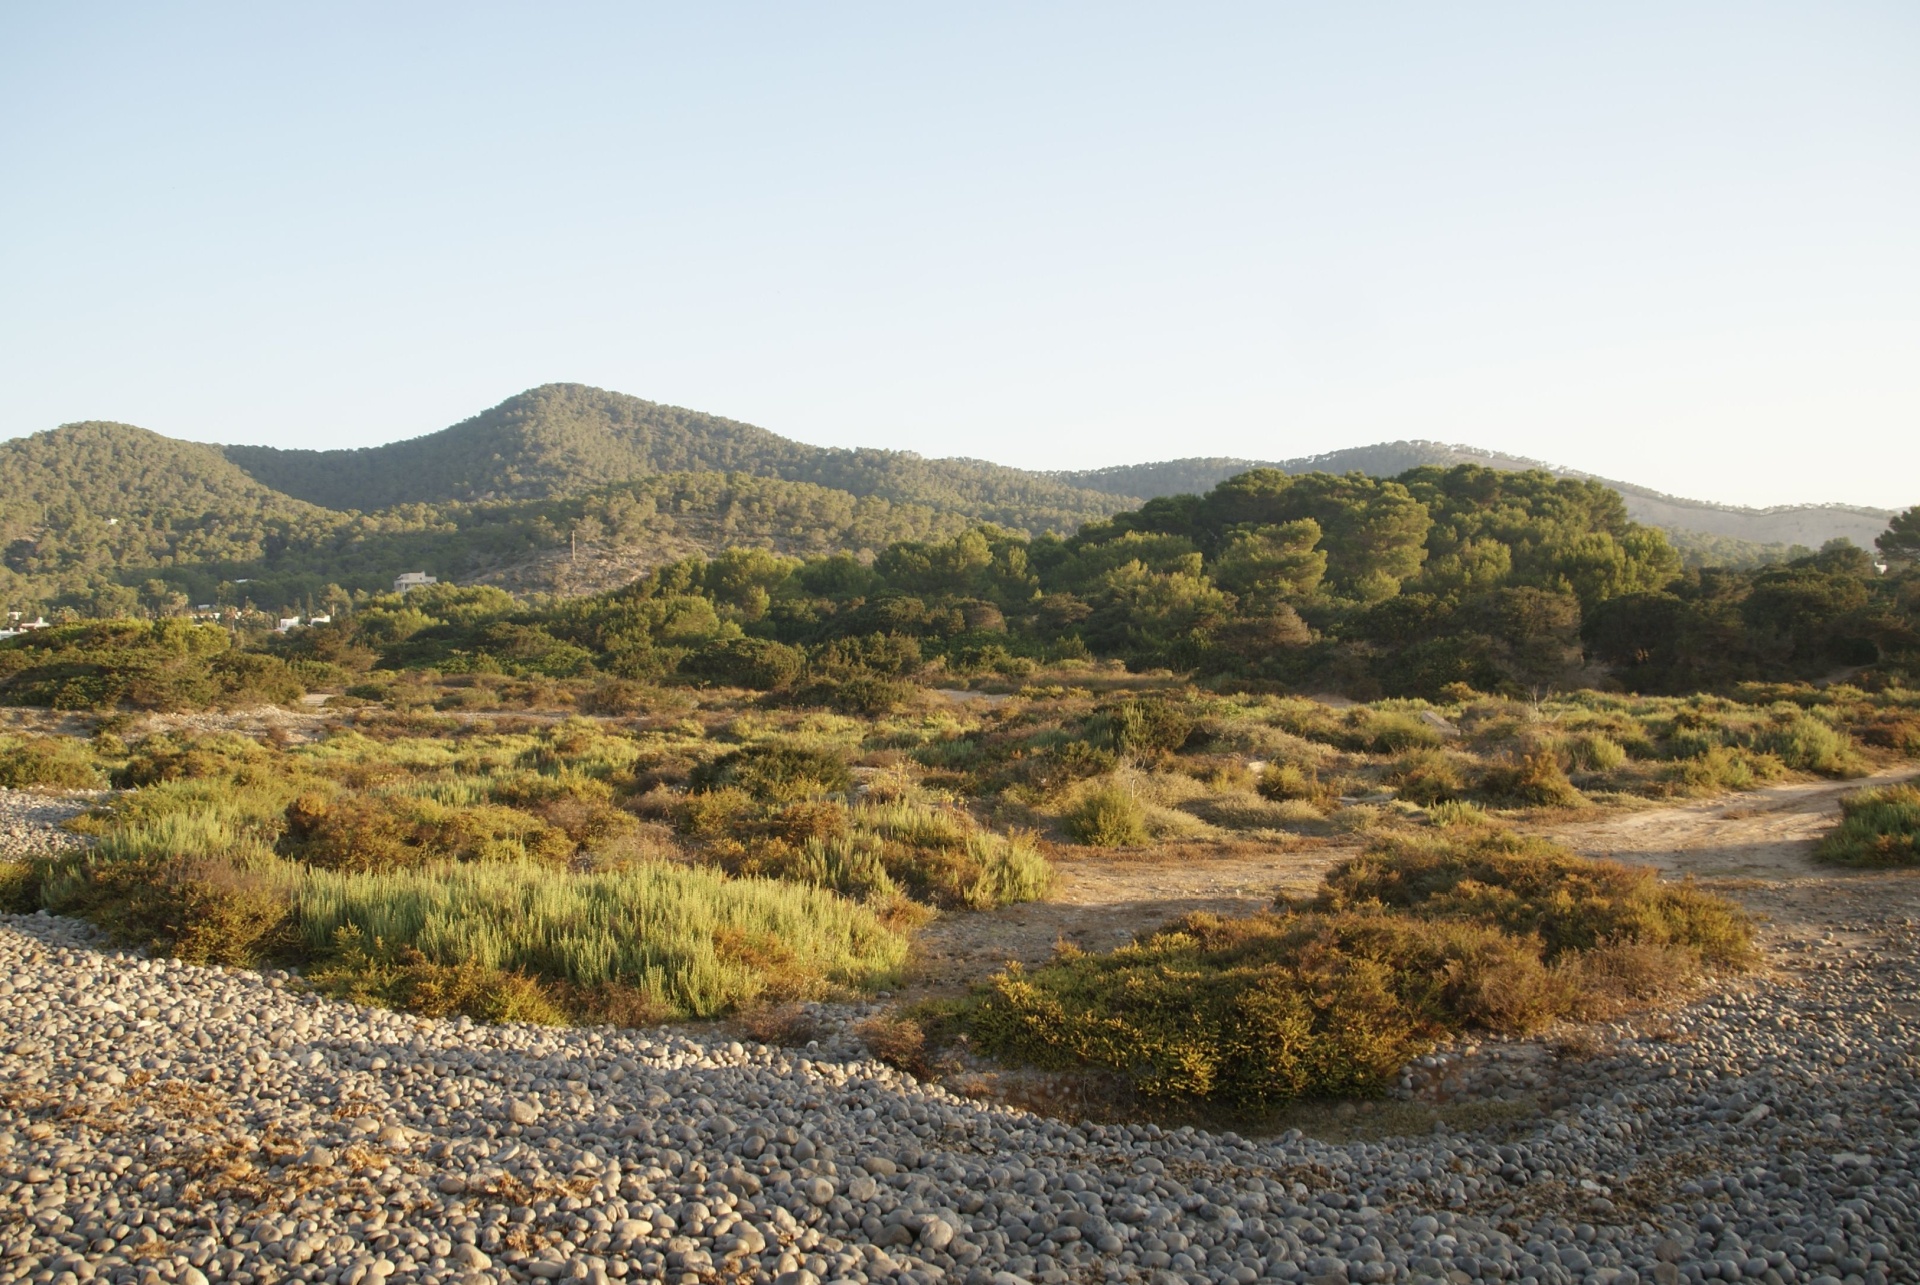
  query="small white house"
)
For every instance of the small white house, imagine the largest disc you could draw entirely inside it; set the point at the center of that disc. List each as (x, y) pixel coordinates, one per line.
(412, 580)
(287, 623)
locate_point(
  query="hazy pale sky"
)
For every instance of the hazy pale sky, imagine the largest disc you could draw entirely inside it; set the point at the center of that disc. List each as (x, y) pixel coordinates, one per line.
(1673, 243)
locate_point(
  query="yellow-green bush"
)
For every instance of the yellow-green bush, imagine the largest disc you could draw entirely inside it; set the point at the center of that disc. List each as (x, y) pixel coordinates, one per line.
(48, 762)
(1107, 816)
(1879, 827)
(1427, 777)
(1411, 942)
(1531, 780)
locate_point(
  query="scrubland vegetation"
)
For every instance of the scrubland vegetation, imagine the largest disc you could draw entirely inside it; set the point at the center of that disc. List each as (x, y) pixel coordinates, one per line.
(749, 779)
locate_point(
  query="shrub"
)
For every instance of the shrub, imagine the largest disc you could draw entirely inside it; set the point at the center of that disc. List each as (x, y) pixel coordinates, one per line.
(1108, 816)
(1720, 769)
(1893, 731)
(185, 756)
(1533, 780)
(1011, 869)
(48, 762)
(1284, 782)
(19, 888)
(1879, 827)
(204, 910)
(364, 972)
(1427, 777)
(1143, 728)
(754, 663)
(775, 773)
(1384, 731)
(1590, 752)
(1809, 744)
(359, 833)
(1532, 886)
(1410, 942)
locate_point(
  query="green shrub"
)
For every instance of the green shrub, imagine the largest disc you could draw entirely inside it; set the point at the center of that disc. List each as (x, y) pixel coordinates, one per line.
(775, 773)
(1387, 731)
(19, 887)
(1427, 777)
(1879, 827)
(49, 762)
(359, 833)
(364, 972)
(1809, 744)
(204, 910)
(754, 663)
(1011, 869)
(1142, 728)
(175, 756)
(1108, 816)
(1532, 780)
(1720, 769)
(1590, 752)
(1286, 782)
(1410, 942)
(1532, 886)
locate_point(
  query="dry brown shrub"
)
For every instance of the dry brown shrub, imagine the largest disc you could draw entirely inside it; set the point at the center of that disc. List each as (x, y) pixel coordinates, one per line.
(897, 1041)
(788, 1025)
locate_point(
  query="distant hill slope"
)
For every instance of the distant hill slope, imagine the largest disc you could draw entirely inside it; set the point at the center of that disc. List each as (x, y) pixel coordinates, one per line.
(1790, 524)
(560, 440)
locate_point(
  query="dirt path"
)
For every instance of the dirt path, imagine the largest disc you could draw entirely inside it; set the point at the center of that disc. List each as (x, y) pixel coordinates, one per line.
(1756, 847)
(1103, 900)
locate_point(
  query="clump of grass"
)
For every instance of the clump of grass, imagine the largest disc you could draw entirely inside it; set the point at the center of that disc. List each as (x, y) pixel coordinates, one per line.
(1108, 816)
(695, 942)
(1879, 827)
(1590, 752)
(1288, 782)
(48, 762)
(1457, 812)
(1411, 942)
(402, 977)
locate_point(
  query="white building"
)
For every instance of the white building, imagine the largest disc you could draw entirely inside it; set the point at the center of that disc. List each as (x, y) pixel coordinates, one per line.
(412, 580)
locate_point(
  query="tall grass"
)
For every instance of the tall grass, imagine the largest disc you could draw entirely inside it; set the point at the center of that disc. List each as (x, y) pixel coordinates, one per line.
(693, 940)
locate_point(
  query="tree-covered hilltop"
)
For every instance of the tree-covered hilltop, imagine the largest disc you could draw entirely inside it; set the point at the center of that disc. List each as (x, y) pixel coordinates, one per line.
(565, 439)
(84, 502)
(1706, 533)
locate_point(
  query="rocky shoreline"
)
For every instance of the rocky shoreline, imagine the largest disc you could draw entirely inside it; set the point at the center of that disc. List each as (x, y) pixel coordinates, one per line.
(167, 1123)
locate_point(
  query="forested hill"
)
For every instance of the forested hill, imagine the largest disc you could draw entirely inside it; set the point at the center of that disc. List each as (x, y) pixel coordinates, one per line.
(1810, 525)
(563, 440)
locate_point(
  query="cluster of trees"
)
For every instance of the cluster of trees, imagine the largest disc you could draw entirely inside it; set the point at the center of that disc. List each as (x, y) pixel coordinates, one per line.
(1494, 580)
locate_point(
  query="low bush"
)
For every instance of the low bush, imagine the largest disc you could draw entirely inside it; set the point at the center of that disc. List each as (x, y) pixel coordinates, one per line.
(1720, 769)
(1288, 783)
(19, 887)
(1879, 827)
(48, 762)
(1107, 816)
(364, 972)
(1427, 777)
(1532, 780)
(204, 910)
(1590, 752)
(775, 773)
(1413, 941)
(1808, 744)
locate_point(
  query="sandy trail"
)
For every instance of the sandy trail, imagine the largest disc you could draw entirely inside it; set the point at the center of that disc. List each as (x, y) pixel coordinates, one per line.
(1756, 847)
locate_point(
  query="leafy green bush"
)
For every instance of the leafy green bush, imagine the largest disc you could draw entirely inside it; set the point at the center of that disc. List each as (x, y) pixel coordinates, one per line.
(754, 663)
(1879, 827)
(50, 762)
(204, 910)
(1532, 886)
(1590, 752)
(1108, 816)
(1719, 769)
(361, 833)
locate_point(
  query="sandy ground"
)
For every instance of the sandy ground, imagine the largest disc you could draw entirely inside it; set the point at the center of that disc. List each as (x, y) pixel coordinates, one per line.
(1756, 847)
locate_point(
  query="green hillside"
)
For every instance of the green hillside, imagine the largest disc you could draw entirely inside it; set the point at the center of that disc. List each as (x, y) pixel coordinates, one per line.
(567, 439)
(82, 502)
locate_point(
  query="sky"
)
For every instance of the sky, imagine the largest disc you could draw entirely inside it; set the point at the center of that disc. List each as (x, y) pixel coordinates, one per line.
(1672, 243)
